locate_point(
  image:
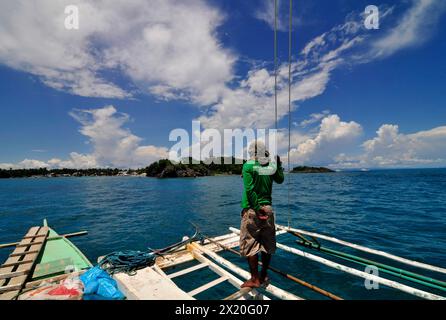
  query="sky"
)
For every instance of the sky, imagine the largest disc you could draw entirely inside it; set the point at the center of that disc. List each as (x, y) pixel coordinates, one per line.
(109, 93)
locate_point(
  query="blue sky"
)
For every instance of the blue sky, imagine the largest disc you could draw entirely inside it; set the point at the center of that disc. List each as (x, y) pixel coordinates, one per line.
(110, 93)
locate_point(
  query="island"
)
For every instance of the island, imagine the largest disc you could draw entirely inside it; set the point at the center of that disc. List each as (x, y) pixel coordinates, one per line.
(159, 169)
(306, 169)
(168, 169)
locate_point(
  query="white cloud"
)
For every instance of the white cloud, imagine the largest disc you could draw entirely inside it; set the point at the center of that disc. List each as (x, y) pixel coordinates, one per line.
(251, 104)
(414, 28)
(7, 166)
(390, 149)
(25, 164)
(333, 136)
(265, 12)
(76, 160)
(314, 118)
(173, 52)
(167, 43)
(113, 145)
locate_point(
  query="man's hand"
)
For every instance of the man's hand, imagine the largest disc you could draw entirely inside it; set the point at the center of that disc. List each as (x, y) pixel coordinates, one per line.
(262, 214)
(278, 161)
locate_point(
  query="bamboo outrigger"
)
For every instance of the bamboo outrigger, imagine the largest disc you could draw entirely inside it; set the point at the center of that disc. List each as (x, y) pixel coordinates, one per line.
(33, 261)
(151, 283)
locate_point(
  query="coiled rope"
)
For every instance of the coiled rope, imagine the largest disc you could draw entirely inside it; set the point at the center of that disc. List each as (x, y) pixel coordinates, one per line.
(130, 261)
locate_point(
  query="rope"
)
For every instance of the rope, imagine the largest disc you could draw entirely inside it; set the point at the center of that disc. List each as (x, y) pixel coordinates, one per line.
(275, 62)
(289, 108)
(128, 261)
(289, 91)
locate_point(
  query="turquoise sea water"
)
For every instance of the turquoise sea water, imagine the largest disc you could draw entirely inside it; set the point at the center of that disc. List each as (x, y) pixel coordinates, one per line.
(399, 211)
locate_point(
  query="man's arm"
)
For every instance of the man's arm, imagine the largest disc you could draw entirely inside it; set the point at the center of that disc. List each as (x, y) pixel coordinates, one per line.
(248, 183)
(278, 176)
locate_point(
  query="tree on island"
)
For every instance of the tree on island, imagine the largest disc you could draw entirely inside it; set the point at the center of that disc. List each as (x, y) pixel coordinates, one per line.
(168, 169)
(306, 169)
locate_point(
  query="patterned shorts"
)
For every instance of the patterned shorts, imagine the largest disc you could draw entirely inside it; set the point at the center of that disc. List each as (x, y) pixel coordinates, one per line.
(257, 235)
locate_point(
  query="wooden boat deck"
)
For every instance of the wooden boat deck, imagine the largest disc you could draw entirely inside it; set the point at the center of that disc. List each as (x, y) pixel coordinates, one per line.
(15, 271)
(152, 283)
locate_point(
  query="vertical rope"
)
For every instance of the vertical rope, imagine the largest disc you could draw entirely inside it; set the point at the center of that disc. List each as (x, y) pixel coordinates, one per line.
(275, 62)
(289, 108)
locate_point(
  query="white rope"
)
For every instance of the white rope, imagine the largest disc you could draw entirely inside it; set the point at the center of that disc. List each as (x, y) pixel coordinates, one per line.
(368, 250)
(275, 62)
(371, 277)
(289, 109)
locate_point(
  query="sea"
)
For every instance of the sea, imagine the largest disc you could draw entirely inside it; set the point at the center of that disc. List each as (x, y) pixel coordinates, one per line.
(402, 212)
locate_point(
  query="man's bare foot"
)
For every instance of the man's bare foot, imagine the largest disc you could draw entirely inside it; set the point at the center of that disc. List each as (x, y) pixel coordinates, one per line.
(251, 283)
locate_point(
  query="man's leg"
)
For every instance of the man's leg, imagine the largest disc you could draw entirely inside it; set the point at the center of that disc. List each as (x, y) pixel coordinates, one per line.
(266, 259)
(254, 282)
(268, 239)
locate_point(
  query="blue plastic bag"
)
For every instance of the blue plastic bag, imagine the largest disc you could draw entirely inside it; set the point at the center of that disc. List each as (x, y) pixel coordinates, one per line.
(108, 288)
(98, 282)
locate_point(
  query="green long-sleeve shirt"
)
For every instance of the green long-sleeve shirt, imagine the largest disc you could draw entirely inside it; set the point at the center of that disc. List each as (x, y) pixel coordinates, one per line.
(258, 184)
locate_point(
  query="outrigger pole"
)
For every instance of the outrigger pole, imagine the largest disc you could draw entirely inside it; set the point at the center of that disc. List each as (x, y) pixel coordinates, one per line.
(365, 249)
(196, 249)
(358, 273)
(283, 274)
(397, 272)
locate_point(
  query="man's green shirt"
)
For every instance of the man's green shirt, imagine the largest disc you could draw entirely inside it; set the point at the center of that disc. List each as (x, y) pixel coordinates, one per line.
(258, 184)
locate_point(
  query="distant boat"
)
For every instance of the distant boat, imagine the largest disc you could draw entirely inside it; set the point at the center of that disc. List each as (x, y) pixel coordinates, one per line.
(364, 170)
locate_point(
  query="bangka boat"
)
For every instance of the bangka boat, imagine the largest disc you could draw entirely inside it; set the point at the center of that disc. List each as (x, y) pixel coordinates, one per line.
(43, 255)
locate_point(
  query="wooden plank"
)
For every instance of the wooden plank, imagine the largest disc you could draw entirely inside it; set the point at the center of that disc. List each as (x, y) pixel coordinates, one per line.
(230, 240)
(27, 244)
(237, 295)
(149, 284)
(19, 254)
(33, 237)
(236, 282)
(16, 263)
(10, 260)
(8, 289)
(15, 284)
(68, 235)
(14, 274)
(13, 289)
(278, 292)
(207, 286)
(188, 270)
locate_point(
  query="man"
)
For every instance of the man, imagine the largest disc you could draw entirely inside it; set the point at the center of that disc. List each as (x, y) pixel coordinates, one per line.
(258, 231)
